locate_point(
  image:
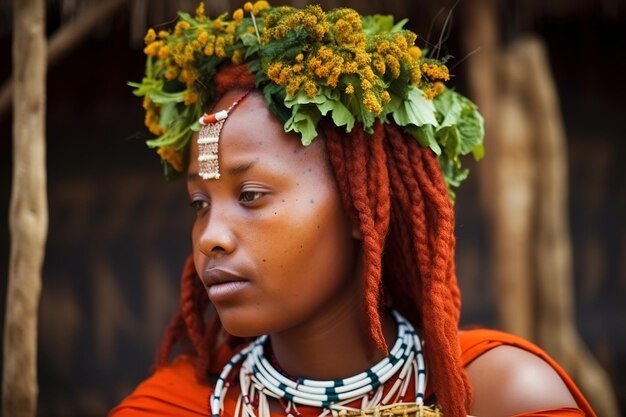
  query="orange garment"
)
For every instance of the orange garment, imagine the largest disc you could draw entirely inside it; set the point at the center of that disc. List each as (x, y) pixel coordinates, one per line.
(174, 391)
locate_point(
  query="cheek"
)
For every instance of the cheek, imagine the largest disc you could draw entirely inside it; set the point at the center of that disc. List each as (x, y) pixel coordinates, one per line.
(311, 246)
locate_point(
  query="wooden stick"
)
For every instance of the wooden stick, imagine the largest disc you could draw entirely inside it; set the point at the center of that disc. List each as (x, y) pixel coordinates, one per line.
(67, 38)
(28, 218)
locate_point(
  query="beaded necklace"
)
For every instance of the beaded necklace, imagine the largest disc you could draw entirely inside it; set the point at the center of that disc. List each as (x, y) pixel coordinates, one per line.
(259, 379)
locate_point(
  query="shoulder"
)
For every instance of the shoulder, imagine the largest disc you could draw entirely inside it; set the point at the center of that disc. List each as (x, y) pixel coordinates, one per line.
(510, 376)
(171, 390)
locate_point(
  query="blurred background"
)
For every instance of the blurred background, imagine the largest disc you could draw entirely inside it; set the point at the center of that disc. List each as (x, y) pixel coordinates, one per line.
(545, 74)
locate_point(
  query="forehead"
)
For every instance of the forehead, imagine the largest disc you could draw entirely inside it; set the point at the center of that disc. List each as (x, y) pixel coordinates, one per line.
(251, 133)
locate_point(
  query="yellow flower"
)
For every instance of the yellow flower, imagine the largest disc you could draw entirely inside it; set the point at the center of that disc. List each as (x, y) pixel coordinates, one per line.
(394, 65)
(400, 41)
(333, 78)
(152, 117)
(188, 54)
(248, 6)
(190, 97)
(416, 75)
(163, 34)
(237, 57)
(230, 28)
(171, 72)
(209, 49)
(187, 76)
(350, 67)
(371, 103)
(366, 85)
(439, 87)
(415, 52)
(259, 6)
(153, 48)
(299, 58)
(379, 66)
(349, 89)
(429, 93)
(385, 97)
(181, 27)
(238, 15)
(171, 156)
(203, 36)
(436, 72)
(294, 85)
(362, 58)
(274, 71)
(163, 52)
(200, 16)
(310, 88)
(152, 124)
(150, 36)
(219, 47)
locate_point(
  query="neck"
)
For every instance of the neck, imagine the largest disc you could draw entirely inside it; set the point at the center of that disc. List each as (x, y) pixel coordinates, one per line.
(334, 346)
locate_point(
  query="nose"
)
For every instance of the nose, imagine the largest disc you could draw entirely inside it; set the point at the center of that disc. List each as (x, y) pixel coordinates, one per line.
(215, 235)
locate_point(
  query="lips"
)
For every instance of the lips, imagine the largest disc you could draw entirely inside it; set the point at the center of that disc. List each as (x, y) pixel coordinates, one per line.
(222, 284)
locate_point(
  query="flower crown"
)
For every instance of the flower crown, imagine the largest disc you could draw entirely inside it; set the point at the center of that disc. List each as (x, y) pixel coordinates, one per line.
(308, 64)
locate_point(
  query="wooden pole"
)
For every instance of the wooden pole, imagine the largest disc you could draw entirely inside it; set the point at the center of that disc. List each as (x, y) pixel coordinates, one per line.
(524, 188)
(28, 217)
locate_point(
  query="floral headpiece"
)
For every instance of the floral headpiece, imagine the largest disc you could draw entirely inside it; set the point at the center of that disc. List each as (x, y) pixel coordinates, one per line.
(308, 64)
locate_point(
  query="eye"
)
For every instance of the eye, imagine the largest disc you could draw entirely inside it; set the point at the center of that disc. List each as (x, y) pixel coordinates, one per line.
(250, 196)
(199, 205)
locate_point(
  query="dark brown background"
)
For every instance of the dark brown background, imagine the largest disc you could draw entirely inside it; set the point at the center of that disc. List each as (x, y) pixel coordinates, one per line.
(118, 232)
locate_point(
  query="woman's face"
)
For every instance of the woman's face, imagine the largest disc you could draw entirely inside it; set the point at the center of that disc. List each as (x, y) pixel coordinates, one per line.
(271, 242)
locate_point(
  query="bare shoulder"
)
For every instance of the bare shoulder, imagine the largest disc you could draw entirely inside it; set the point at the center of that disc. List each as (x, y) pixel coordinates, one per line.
(507, 381)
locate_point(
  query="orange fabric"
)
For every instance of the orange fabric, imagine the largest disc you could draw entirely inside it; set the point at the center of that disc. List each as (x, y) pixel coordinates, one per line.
(476, 342)
(174, 391)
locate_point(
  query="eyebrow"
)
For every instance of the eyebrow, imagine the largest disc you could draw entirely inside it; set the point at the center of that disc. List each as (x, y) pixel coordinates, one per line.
(234, 170)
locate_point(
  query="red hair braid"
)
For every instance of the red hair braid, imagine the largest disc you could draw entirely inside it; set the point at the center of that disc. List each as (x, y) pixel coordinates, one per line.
(373, 242)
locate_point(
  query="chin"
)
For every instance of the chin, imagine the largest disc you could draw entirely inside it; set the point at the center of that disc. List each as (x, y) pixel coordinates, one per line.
(240, 324)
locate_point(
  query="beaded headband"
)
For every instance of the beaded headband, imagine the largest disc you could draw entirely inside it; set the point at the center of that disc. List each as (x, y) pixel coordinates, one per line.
(308, 64)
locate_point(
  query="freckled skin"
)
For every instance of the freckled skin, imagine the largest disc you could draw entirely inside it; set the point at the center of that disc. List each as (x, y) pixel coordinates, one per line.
(293, 242)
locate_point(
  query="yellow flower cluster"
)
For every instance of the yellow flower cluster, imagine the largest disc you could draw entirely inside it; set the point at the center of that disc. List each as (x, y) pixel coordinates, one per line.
(152, 117)
(172, 156)
(436, 71)
(432, 91)
(348, 29)
(257, 7)
(280, 22)
(178, 51)
(337, 54)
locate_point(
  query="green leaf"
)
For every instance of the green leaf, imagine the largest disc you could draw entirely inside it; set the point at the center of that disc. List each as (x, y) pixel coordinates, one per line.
(342, 116)
(462, 116)
(354, 103)
(425, 136)
(416, 110)
(304, 120)
(327, 101)
(449, 138)
(161, 97)
(381, 24)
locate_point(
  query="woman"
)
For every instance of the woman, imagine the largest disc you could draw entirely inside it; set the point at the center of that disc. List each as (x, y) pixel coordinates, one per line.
(326, 270)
